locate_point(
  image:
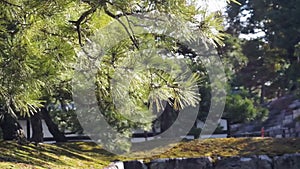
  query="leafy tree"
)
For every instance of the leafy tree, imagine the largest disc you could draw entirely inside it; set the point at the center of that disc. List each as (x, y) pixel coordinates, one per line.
(240, 109)
(272, 54)
(32, 62)
(20, 91)
(38, 45)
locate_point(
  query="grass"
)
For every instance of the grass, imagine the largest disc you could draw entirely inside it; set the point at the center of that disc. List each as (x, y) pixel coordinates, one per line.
(89, 155)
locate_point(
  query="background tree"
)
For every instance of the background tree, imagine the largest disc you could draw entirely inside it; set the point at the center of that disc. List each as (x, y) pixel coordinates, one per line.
(274, 48)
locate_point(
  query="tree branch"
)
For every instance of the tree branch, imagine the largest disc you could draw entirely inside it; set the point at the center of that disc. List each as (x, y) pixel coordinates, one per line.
(80, 20)
(11, 4)
(117, 17)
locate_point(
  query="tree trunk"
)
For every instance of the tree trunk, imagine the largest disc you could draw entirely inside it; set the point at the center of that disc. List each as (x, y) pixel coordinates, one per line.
(228, 128)
(12, 129)
(167, 118)
(37, 128)
(28, 127)
(262, 94)
(52, 127)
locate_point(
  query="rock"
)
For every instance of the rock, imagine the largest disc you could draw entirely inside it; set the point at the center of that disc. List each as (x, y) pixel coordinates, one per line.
(182, 163)
(264, 162)
(120, 165)
(134, 165)
(296, 113)
(287, 161)
(115, 165)
(295, 104)
(260, 162)
(235, 163)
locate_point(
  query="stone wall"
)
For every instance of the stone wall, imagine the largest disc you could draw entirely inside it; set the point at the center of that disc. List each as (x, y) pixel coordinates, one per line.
(283, 121)
(287, 161)
(289, 127)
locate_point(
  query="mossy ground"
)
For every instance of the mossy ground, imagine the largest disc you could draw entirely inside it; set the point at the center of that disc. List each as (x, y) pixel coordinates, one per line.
(90, 155)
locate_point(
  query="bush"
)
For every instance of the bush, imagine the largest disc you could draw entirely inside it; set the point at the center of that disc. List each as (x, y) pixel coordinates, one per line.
(240, 109)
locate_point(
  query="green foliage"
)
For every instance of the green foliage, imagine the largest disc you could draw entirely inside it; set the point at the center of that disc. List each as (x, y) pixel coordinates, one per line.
(20, 90)
(240, 109)
(131, 84)
(43, 55)
(67, 121)
(273, 57)
(39, 41)
(133, 89)
(232, 55)
(42, 36)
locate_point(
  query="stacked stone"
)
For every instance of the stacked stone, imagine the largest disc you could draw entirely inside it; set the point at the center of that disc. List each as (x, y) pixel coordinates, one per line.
(287, 161)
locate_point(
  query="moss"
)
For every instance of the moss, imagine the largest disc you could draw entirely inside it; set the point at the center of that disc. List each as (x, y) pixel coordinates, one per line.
(91, 155)
(67, 155)
(225, 147)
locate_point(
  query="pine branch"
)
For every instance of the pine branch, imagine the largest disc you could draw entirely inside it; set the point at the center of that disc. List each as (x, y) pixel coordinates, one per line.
(80, 20)
(117, 17)
(55, 34)
(11, 4)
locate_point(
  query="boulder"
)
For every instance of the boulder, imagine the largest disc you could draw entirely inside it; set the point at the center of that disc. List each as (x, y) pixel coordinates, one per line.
(260, 162)
(182, 163)
(138, 164)
(236, 163)
(264, 162)
(115, 165)
(287, 161)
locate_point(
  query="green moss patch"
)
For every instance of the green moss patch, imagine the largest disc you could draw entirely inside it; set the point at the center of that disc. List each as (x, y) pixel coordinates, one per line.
(90, 155)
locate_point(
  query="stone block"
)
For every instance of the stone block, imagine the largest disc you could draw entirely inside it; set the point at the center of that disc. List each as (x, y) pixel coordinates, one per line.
(182, 163)
(260, 162)
(134, 165)
(287, 161)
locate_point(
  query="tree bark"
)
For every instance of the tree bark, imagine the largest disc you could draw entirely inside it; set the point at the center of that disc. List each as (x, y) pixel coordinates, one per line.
(167, 118)
(11, 129)
(37, 128)
(52, 127)
(262, 95)
(228, 128)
